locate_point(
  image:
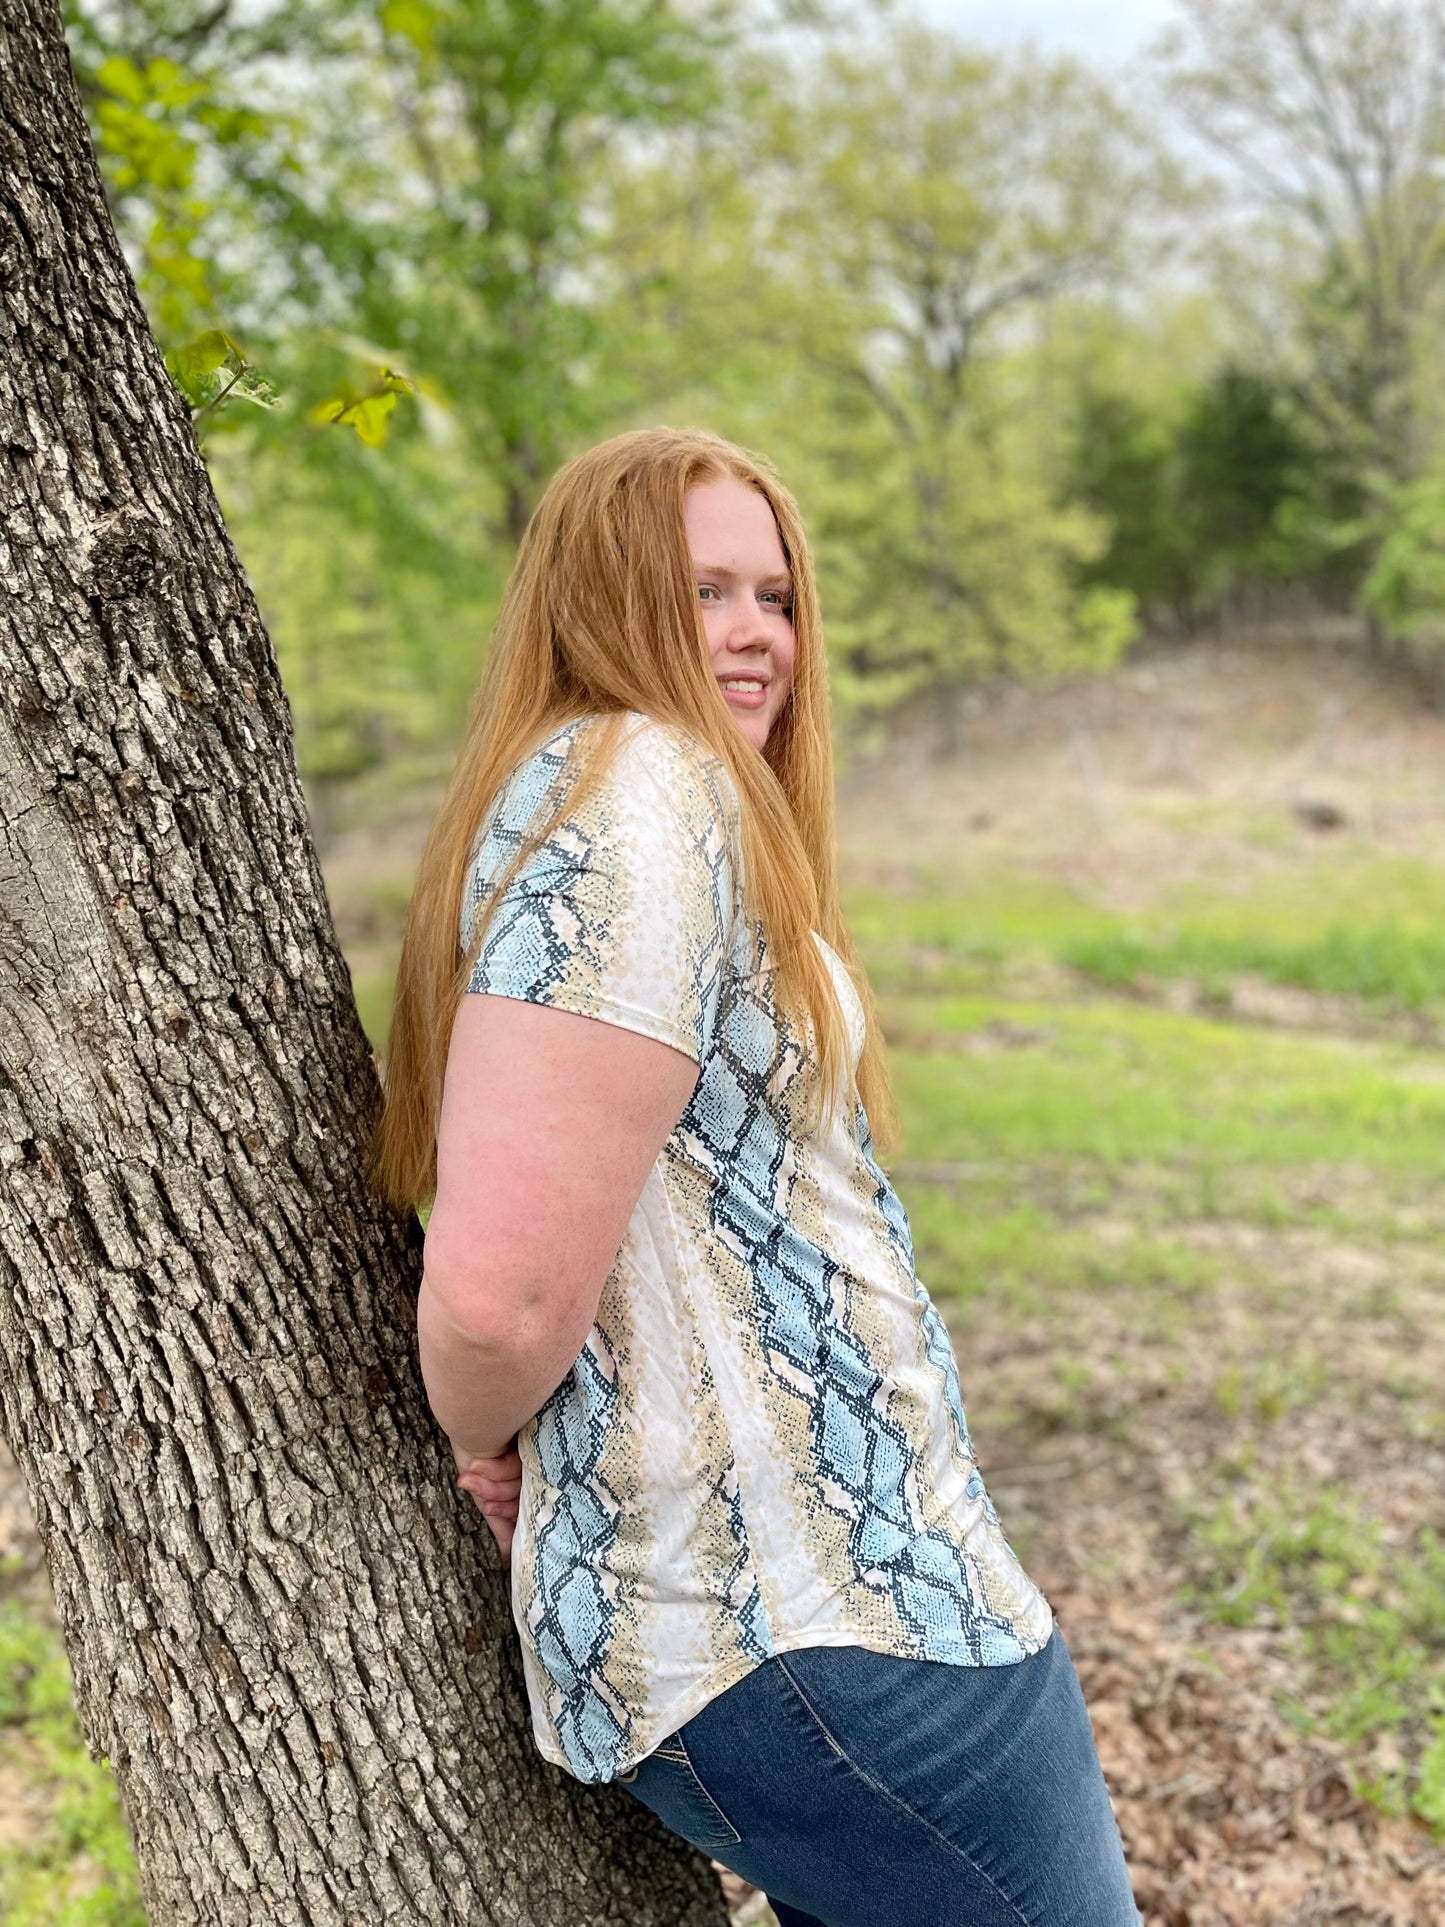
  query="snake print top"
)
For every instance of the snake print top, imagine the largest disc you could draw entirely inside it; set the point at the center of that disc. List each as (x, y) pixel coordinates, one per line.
(762, 1444)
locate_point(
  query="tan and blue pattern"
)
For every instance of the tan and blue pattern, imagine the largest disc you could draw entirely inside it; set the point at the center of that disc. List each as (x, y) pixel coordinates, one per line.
(762, 1445)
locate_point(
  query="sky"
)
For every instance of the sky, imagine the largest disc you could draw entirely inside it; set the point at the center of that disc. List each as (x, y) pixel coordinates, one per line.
(1105, 30)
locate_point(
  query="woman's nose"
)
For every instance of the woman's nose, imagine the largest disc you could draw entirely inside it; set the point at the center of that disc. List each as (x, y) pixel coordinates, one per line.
(749, 627)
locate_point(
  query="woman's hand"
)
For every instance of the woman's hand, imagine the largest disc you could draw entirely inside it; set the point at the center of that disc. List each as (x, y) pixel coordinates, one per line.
(496, 1487)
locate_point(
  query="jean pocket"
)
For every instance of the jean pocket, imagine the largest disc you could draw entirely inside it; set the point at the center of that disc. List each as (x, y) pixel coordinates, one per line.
(667, 1781)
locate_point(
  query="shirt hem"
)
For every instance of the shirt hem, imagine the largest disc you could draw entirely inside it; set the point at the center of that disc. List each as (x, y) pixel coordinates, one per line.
(606, 1010)
(669, 1719)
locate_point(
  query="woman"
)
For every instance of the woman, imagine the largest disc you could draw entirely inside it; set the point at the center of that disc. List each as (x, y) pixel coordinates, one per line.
(669, 1318)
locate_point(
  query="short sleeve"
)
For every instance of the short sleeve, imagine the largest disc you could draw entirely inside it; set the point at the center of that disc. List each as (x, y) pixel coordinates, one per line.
(625, 911)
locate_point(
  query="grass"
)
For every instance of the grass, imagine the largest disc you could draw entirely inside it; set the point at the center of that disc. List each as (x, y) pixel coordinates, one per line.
(1370, 1618)
(1124, 1084)
(1385, 966)
(1288, 929)
(80, 1870)
(372, 990)
(982, 1244)
(939, 940)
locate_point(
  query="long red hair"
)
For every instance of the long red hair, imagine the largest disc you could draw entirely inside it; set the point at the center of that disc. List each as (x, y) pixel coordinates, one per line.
(601, 616)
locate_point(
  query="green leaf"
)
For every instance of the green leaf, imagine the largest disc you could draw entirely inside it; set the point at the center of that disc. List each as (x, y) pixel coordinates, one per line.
(122, 78)
(413, 20)
(256, 389)
(368, 417)
(367, 412)
(203, 355)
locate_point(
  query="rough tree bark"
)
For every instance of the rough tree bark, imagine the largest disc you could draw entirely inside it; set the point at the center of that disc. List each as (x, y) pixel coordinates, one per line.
(288, 1634)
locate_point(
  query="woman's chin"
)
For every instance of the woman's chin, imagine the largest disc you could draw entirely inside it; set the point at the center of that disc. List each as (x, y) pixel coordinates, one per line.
(753, 727)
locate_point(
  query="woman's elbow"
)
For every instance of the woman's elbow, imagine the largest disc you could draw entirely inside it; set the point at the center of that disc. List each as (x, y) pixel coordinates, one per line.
(521, 1307)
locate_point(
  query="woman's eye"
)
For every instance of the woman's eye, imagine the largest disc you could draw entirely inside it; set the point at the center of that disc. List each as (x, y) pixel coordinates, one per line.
(706, 589)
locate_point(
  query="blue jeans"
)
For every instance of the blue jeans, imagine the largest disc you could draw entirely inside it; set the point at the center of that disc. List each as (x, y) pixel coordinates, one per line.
(859, 1790)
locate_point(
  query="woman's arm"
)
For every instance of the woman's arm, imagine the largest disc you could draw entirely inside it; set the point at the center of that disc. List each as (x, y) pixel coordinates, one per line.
(549, 1125)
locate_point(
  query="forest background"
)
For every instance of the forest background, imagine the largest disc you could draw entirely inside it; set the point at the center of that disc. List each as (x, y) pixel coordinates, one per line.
(1074, 369)
(1049, 354)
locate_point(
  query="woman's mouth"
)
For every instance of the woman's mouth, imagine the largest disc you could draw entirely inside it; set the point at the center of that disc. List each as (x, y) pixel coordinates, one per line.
(745, 692)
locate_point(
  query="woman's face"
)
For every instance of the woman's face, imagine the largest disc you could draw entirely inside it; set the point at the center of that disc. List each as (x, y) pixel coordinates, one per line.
(746, 593)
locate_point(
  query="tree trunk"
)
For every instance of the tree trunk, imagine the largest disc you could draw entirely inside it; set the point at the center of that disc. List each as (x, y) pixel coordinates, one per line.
(288, 1633)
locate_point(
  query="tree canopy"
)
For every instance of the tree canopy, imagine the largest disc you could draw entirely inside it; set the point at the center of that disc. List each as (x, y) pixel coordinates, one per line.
(1048, 354)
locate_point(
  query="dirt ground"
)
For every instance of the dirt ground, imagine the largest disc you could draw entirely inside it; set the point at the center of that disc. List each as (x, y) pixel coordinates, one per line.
(1228, 1815)
(1115, 776)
